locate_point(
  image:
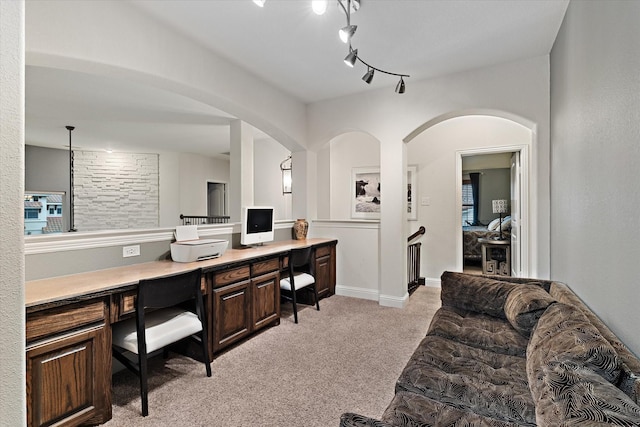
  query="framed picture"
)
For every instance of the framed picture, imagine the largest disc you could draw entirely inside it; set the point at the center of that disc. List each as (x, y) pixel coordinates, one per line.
(412, 193)
(365, 193)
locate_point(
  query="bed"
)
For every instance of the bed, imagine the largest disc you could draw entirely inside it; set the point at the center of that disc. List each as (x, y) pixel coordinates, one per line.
(471, 249)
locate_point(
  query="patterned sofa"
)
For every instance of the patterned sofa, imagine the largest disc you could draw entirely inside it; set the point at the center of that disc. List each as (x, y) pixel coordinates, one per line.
(513, 352)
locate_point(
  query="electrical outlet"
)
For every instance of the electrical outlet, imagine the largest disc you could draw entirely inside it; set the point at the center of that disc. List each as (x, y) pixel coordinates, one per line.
(128, 251)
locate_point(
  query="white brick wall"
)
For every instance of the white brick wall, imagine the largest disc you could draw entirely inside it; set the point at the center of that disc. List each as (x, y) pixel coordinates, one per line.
(115, 190)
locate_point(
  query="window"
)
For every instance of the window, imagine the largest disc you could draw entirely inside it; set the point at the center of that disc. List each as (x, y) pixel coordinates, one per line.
(467, 202)
(43, 212)
(31, 214)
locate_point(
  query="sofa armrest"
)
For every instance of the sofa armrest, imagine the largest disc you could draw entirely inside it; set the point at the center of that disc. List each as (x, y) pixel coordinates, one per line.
(349, 419)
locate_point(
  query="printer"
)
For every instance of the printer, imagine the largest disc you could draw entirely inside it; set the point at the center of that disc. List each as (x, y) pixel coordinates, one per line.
(188, 247)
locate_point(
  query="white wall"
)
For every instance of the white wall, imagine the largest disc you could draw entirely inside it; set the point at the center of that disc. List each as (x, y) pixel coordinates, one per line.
(435, 151)
(115, 190)
(595, 154)
(348, 151)
(519, 88)
(195, 172)
(116, 39)
(357, 268)
(268, 154)
(12, 343)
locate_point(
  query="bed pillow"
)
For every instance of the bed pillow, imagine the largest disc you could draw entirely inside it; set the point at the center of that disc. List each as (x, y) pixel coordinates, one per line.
(475, 293)
(493, 225)
(506, 223)
(524, 306)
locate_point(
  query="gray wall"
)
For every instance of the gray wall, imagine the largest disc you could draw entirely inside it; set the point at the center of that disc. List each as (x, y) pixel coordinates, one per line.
(52, 264)
(494, 184)
(595, 152)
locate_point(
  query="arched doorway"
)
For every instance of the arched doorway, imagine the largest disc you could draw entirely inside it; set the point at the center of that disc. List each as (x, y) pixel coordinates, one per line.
(437, 148)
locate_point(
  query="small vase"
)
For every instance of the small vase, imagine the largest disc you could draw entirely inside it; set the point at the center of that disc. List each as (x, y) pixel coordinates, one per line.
(300, 228)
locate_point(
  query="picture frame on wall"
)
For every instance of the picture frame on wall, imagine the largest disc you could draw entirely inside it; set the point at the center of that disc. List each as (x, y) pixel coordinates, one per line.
(365, 193)
(412, 193)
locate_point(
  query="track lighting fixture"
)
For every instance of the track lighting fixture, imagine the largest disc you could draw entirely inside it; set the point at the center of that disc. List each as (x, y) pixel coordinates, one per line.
(351, 6)
(351, 58)
(369, 76)
(347, 32)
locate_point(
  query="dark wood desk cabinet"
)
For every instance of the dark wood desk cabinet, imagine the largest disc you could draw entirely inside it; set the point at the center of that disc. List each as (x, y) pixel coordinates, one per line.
(69, 364)
(68, 322)
(245, 299)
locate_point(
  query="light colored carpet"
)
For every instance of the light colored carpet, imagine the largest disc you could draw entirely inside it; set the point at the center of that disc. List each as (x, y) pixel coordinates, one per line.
(344, 358)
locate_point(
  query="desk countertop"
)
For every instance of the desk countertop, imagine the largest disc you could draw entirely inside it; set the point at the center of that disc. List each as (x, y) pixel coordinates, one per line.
(43, 291)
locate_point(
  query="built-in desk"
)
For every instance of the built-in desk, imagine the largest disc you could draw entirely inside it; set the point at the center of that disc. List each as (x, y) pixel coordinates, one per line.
(68, 318)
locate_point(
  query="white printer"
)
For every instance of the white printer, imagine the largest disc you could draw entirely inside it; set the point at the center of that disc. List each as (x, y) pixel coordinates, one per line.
(189, 247)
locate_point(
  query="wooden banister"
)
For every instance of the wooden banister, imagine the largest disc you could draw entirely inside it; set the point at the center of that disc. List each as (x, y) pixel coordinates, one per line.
(418, 233)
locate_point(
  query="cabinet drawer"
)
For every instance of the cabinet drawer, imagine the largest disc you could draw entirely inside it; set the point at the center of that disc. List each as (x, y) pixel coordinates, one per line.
(227, 277)
(323, 251)
(263, 267)
(64, 318)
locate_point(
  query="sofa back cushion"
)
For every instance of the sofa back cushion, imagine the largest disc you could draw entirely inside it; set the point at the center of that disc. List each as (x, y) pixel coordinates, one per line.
(630, 364)
(524, 306)
(474, 293)
(564, 334)
(567, 393)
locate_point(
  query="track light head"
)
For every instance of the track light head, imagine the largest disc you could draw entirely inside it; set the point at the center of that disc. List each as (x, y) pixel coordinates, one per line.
(400, 86)
(351, 5)
(351, 58)
(347, 32)
(369, 76)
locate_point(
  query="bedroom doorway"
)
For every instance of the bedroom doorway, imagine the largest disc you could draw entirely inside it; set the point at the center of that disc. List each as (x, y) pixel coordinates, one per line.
(486, 175)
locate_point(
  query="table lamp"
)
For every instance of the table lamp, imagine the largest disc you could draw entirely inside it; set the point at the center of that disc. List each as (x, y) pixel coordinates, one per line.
(500, 207)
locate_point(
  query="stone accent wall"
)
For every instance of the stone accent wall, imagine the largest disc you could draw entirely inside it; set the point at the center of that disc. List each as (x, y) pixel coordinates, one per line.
(115, 190)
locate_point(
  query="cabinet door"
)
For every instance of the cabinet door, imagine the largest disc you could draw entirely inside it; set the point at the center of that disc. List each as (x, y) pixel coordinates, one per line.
(266, 299)
(323, 275)
(325, 270)
(68, 379)
(231, 314)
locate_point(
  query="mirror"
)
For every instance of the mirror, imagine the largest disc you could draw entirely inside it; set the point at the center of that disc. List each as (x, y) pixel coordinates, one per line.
(114, 117)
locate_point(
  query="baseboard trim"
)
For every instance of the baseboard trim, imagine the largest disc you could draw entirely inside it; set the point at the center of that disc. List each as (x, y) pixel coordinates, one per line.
(350, 291)
(433, 282)
(393, 301)
(369, 294)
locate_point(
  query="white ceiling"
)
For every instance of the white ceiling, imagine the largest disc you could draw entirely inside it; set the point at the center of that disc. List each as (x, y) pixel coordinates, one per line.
(289, 46)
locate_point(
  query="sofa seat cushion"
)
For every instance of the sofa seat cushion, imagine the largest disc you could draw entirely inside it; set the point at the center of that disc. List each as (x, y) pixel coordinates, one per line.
(415, 410)
(524, 306)
(478, 330)
(567, 393)
(487, 383)
(564, 333)
(474, 293)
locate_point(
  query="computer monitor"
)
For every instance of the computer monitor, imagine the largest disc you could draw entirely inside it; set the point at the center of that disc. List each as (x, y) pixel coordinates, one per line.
(257, 225)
